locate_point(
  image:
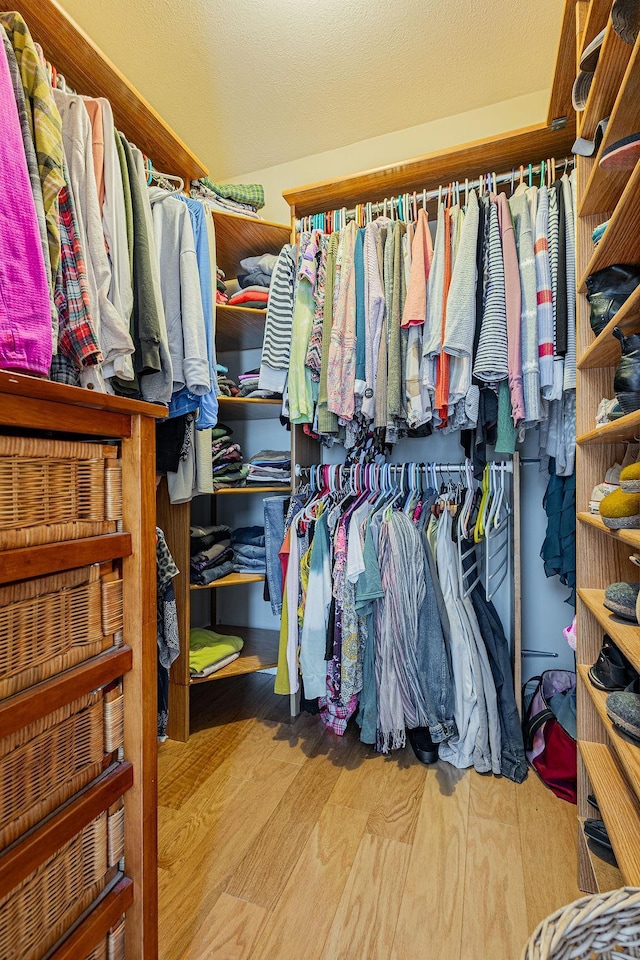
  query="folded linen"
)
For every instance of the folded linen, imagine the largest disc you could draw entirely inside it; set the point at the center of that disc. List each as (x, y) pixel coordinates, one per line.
(202, 674)
(207, 647)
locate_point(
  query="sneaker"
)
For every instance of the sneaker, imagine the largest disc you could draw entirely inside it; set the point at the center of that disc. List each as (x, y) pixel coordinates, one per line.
(621, 598)
(620, 510)
(611, 671)
(601, 490)
(623, 709)
(423, 746)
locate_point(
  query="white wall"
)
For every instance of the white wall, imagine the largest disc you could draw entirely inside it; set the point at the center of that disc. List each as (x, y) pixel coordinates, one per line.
(394, 148)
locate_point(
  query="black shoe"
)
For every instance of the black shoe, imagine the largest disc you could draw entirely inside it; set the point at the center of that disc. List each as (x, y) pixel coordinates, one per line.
(423, 746)
(598, 840)
(626, 382)
(608, 290)
(611, 671)
(593, 801)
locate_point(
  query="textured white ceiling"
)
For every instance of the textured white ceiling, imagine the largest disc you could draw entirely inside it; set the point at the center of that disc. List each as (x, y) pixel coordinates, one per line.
(253, 83)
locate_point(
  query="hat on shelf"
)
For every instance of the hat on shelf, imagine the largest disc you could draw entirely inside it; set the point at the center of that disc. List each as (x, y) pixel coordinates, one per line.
(621, 598)
(625, 16)
(587, 148)
(623, 154)
(620, 510)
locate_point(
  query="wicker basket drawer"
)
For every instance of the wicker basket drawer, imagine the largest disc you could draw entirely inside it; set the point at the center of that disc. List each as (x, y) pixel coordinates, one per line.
(40, 911)
(46, 763)
(52, 623)
(53, 490)
(112, 947)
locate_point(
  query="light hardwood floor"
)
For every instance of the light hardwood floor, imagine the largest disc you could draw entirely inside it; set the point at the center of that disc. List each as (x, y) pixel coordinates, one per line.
(280, 841)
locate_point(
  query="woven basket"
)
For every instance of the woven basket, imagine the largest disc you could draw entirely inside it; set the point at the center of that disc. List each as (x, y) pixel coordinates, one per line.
(37, 913)
(52, 623)
(53, 490)
(47, 762)
(604, 926)
(112, 947)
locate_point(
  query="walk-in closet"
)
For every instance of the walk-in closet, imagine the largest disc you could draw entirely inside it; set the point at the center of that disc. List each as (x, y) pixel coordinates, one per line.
(319, 480)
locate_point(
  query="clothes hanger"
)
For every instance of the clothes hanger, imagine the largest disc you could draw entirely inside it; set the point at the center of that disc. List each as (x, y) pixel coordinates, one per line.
(478, 531)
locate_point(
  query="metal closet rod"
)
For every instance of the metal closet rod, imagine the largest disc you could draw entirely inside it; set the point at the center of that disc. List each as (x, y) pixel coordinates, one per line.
(505, 465)
(424, 196)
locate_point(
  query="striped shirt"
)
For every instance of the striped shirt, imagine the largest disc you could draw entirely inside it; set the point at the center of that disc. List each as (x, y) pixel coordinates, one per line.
(544, 294)
(276, 347)
(492, 359)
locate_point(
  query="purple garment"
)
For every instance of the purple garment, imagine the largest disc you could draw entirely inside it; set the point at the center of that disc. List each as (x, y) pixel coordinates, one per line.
(26, 341)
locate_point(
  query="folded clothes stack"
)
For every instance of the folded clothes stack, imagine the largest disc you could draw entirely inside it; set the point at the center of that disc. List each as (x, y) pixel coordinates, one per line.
(221, 287)
(242, 198)
(250, 553)
(211, 554)
(253, 298)
(210, 651)
(270, 466)
(254, 282)
(228, 468)
(249, 387)
(227, 386)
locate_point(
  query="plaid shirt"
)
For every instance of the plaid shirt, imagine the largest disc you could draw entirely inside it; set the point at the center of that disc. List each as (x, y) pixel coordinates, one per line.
(250, 193)
(77, 340)
(46, 125)
(333, 713)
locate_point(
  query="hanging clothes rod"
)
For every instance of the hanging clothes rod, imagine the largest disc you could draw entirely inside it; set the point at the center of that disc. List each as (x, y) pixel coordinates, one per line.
(506, 466)
(424, 196)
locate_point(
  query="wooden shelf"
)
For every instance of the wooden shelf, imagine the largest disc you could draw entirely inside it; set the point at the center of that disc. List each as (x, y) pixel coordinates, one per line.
(632, 537)
(233, 580)
(260, 652)
(605, 187)
(91, 73)
(605, 349)
(239, 328)
(626, 428)
(624, 634)
(621, 240)
(248, 408)
(238, 237)
(612, 64)
(627, 752)
(253, 488)
(429, 171)
(618, 807)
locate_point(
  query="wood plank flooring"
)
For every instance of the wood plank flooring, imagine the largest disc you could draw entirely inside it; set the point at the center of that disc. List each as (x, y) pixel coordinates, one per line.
(279, 840)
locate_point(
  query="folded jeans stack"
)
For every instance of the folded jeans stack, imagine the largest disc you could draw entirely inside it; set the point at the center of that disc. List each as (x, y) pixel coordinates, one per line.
(249, 549)
(211, 554)
(270, 466)
(210, 651)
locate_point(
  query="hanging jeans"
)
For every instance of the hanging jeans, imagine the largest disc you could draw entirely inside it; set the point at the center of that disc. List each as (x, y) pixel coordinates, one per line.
(274, 508)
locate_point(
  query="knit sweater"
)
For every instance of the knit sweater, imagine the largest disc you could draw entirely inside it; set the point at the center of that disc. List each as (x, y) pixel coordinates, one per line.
(492, 358)
(544, 295)
(512, 292)
(276, 347)
(528, 307)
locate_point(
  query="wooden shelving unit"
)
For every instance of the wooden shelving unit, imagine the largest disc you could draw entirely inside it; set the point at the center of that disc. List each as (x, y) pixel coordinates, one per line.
(237, 330)
(608, 762)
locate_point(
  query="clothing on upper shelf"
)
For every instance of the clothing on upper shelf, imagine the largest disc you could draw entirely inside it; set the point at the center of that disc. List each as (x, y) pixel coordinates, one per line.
(270, 466)
(401, 326)
(210, 651)
(245, 198)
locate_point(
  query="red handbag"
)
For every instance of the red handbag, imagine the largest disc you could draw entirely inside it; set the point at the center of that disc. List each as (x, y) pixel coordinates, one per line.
(551, 751)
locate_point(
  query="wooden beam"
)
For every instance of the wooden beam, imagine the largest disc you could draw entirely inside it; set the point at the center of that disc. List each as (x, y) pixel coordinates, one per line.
(495, 154)
(20, 385)
(560, 104)
(27, 562)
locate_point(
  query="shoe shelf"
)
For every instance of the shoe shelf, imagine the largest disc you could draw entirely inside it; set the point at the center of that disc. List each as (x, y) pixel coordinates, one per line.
(239, 328)
(605, 187)
(611, 68)
(621, 240)
(232, 580)
(618, 807)
(626, 428)
(627, 752)
(248, 408)
(624, 634)
(630, 537)
(260, 652)
(238, 237)
(604, 351)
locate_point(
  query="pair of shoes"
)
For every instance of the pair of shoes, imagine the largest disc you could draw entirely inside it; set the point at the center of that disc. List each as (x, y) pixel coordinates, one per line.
(608, 289)
(620, 510)
(596, 833)
(611, 671)
(622, 599)
(623, 709)
(423, 746)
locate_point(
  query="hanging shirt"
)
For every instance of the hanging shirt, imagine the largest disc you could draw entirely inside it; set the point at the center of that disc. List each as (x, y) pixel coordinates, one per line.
(276, 347)
(374, 312)
(461, 306)
(341, 371)
(492, 359)
(523, 232)
(513, 307)
(544, 294)
(300, 389)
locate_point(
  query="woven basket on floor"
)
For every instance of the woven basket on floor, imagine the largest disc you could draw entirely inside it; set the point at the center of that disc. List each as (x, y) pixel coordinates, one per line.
(53, 490)
(112, 947)
(38, 912)
(603, 926)
(52, 623)
(47, 762)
